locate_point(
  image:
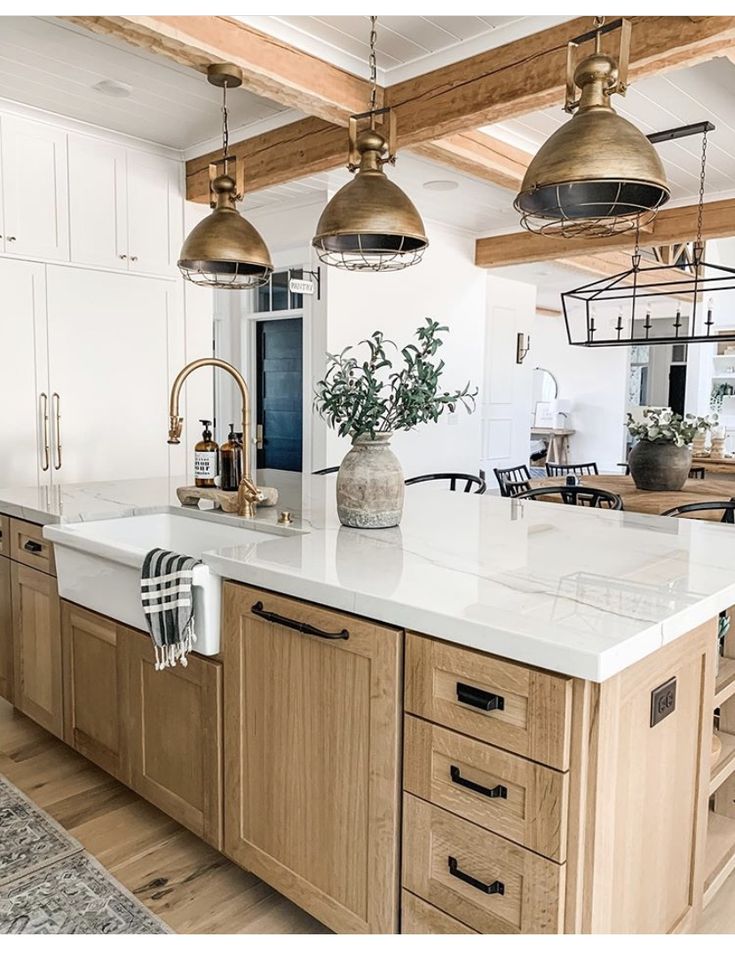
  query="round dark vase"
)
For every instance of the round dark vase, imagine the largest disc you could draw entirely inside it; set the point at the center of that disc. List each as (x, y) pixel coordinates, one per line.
(659, 466)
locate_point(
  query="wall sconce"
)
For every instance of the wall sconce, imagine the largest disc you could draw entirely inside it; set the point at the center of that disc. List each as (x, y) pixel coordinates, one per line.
(523, 346)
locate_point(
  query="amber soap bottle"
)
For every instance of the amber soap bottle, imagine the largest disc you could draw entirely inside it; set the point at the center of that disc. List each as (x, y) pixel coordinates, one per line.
(205, 457)
(231, 461)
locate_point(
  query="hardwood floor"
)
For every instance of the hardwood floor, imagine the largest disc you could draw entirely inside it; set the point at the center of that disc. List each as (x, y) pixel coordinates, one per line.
(180, 878)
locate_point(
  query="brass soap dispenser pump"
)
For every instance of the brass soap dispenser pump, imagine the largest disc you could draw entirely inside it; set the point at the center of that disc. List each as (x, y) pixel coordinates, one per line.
(205, 457)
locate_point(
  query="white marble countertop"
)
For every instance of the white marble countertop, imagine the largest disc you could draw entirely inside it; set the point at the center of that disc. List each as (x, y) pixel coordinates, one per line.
(578, 591)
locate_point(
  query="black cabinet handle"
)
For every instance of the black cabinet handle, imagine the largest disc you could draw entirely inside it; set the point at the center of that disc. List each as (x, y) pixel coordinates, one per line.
(479, 698)
(498, 791)
(31, 546)
(302, 627)
(497, 886)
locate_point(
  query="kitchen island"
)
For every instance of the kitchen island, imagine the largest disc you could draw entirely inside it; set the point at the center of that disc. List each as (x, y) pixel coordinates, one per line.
(520, 693)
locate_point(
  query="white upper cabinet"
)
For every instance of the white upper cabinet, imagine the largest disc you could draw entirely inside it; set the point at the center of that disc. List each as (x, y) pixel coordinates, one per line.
(97, 202)
(34, 177)
(155, 213)
(126, 207)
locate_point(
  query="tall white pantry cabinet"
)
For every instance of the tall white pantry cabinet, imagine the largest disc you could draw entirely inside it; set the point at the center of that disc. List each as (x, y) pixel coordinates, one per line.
(95, 320)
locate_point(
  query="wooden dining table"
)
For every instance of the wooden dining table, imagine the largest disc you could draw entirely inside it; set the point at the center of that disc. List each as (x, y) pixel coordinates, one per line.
(652, 501)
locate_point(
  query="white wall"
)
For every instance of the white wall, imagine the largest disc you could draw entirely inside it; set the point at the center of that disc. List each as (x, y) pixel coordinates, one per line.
(445, 286)
(506, 391)
(595, 380)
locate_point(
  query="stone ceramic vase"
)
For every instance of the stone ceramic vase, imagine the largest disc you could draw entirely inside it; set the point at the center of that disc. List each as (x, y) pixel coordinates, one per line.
(659, 466)
(370, 484)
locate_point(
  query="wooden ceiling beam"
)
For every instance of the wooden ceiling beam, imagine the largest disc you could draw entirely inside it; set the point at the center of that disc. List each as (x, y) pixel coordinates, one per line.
(271, 68)
(671, 225)
(528, 74)
(480, 155)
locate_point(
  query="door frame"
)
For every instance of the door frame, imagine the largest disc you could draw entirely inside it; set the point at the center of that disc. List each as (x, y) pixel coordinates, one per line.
(248, 357)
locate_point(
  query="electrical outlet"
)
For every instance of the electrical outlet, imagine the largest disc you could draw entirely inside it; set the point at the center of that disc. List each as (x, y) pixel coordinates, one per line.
(663, 701)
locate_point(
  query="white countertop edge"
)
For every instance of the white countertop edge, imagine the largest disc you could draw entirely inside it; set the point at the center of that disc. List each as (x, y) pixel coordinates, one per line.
(596, 666)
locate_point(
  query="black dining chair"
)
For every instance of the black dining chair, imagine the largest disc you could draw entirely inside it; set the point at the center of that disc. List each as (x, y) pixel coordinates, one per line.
(696, 473)
(512, 480)
(706, 506)
(469, 480)
(580, 469)
(575, 496)
(325, 471)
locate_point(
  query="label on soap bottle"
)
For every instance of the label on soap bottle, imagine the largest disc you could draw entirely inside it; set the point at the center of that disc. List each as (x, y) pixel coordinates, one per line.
(205, 464)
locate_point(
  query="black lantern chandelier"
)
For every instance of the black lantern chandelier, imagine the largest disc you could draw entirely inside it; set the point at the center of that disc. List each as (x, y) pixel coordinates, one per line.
(687, 282)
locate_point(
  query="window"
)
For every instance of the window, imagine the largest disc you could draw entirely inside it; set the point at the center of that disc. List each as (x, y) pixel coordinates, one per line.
(275, 296)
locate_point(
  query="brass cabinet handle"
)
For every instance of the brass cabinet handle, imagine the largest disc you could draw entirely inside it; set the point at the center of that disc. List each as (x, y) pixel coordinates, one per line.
(122, 257)
(133, 257)
(57, 446)
(10, 238)
(44, 417)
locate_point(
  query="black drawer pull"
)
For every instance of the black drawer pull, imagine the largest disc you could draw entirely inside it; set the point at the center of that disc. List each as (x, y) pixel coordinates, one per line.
(497, 886)
(31, 546)
(479, 698)
(302, 627)
(498, 791)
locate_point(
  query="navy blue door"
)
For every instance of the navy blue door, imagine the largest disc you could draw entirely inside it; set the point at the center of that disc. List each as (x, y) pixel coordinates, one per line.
(280, 393)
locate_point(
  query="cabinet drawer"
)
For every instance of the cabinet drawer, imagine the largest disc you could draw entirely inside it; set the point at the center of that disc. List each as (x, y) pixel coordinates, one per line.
(418, 916)
(483, 880)
(4, 535)
(28, 546)
(523, 801)
(515, 707)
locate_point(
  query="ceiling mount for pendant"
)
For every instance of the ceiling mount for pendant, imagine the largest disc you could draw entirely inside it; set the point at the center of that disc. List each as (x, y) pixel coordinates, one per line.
(621, 310)
(224, 250)
(597, 175)
(370, 224)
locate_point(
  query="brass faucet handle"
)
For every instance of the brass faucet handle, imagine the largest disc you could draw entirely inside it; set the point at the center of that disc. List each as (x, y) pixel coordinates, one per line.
(175, 425)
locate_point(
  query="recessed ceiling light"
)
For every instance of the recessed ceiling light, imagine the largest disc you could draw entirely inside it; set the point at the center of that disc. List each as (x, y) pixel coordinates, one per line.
(441, 185)
(113, 87)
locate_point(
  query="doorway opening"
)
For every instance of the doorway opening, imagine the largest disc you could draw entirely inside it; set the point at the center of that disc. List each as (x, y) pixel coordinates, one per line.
(279, 393)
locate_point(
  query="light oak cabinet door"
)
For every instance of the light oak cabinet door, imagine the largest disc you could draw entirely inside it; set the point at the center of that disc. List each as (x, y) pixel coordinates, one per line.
(174, 724)
(92, 695)
(6, 631)
(312, 756)
(37, 642)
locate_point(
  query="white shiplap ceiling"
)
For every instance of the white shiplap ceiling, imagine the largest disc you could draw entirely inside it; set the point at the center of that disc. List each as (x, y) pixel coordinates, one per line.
(406, 46)
(54, 65)
(677, 98)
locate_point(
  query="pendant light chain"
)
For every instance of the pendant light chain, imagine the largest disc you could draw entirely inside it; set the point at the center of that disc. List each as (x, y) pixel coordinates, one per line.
(698, 247)
(373, 64)
(225, 128)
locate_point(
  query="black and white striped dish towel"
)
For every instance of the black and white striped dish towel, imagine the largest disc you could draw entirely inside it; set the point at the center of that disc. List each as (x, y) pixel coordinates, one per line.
(165, 590)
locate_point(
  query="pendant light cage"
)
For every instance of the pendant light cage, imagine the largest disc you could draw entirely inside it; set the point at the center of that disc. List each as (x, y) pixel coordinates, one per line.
(617, 310)
(224, 250)
(370, 224)
(597, 175)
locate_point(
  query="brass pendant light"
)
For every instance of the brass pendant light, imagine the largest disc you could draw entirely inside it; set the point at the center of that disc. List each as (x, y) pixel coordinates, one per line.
(370, 224)
(224, 250)
(597, 174)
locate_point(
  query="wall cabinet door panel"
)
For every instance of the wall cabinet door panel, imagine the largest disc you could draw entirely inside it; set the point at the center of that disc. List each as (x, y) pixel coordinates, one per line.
(6, 631)
(155, 213)
(97, 202)
(108, 341)
(24, 376)
(37, 642)
(174, 720)
(92, 696)
(311, 758)
(35, 189)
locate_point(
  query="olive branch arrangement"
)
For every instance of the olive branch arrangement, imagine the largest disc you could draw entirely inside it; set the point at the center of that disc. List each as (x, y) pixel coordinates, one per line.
(358, 398)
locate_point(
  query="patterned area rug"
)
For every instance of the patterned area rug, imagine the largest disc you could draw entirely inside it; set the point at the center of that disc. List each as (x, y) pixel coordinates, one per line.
(50, 885)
